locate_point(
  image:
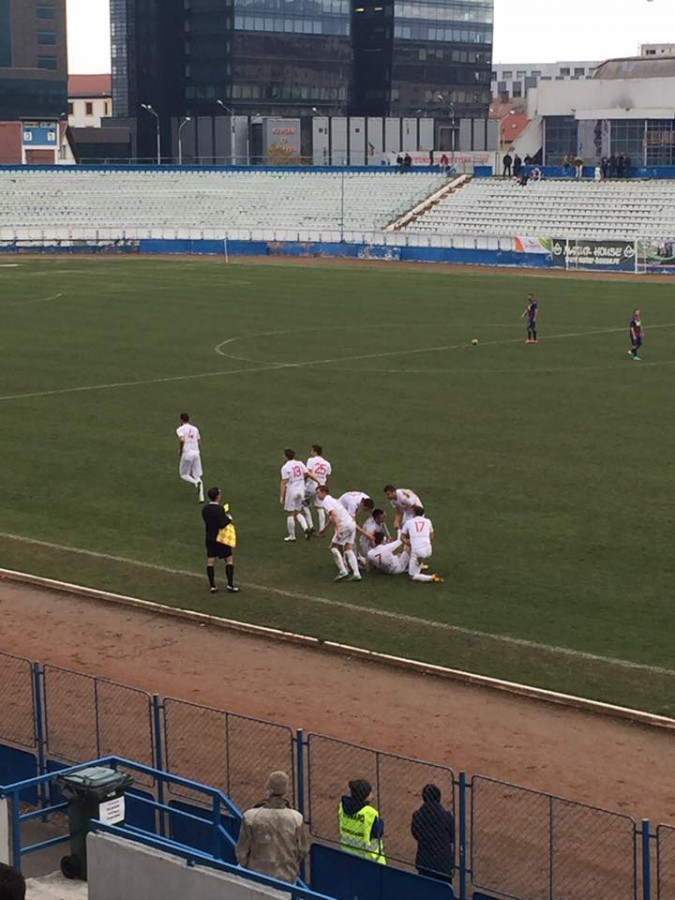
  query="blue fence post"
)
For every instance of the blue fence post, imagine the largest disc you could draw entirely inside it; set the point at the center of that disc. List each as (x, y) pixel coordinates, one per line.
(16, 830)
(159, 757)
(300, 769)
(216, 828)
(462, 836)
(300, 784)
(39, 730)
(646, 861)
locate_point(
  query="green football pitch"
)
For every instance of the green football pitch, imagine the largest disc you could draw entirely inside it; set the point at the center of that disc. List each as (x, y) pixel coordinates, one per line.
(547, 470)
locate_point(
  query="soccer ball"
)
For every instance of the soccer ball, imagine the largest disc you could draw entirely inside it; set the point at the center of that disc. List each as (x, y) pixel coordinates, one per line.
(475, 342)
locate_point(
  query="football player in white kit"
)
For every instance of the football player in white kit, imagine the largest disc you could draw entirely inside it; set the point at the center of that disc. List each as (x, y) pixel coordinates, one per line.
(189, 455)
(318, 466)
(292, 493)
(375, 524)
(404, 501)
(385, 556)
(344, 539)
(418, 534)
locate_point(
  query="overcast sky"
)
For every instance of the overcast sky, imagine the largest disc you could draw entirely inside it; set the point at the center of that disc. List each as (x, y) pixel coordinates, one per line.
(524, 32)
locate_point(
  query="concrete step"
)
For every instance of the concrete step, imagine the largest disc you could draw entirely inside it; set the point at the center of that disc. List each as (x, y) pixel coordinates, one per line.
(55, 887)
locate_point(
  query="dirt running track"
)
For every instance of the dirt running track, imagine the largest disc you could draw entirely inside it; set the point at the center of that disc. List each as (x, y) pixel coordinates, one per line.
(600, 761)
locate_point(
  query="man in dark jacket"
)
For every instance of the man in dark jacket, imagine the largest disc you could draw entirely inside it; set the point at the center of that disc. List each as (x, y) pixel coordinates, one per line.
(433, 827)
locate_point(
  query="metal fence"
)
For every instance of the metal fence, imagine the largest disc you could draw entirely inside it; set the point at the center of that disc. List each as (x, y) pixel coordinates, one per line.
(536, 846)
(86, 718)
(231, 752)
(665, 862)
(18, 721)
(510, 841)
(397, 783)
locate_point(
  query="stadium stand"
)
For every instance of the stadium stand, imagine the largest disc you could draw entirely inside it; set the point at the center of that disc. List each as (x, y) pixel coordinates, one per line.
(622, 209)
(207, 199)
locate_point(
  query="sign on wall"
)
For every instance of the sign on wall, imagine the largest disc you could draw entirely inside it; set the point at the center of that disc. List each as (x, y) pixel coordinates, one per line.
(40, 134)
(591, 254)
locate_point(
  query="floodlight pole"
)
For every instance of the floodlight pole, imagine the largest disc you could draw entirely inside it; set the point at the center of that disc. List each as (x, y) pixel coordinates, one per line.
(153, 112)
(180, 139)
(231, 115)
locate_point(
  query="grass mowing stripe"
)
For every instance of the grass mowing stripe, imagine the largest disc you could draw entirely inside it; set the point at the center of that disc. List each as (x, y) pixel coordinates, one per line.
(353, 607)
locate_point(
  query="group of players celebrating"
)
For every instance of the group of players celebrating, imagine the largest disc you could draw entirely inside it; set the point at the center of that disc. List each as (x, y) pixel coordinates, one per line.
(306, 485)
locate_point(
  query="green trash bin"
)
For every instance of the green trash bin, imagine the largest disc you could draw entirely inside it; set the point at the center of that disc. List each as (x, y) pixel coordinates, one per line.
(93, 793)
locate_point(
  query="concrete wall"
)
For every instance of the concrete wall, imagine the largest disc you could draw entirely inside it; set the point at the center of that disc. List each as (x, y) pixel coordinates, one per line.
(120, 868)
(610, 98)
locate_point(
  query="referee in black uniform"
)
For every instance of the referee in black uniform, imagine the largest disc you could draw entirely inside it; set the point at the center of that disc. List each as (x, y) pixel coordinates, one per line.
(216, 518)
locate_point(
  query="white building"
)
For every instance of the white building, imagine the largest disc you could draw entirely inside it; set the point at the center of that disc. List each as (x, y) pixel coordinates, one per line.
(628, 107)
(657, 49)
(511, 81)
(89, 100)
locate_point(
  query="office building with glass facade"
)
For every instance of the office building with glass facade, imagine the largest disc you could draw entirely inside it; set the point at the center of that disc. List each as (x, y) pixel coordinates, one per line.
(33, 59)
(300, 58)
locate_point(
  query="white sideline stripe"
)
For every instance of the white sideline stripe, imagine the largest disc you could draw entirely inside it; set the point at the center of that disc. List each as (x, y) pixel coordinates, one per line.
(354, 607)
(533, 693)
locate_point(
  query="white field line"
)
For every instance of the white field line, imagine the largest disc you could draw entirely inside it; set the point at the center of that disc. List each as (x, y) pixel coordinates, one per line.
(361, 610)
(268, 366)
(37, 300)
(124, 384)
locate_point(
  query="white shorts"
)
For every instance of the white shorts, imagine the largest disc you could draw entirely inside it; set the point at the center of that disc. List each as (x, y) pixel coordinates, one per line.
(345, 534)
(294, 498)
(190, 465)
(418, 555)
(400, 563)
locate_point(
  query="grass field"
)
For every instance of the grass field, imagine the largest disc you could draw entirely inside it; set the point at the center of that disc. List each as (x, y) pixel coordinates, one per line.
(547, 469)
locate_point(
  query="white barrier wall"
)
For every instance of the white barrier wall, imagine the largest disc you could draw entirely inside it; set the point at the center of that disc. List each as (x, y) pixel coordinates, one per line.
(118, 868)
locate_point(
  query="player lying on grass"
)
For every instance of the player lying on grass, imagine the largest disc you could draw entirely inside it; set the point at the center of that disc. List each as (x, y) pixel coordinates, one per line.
(375, 524)
(390, 557)
(404, 501)
(343, 544)
(418, 535)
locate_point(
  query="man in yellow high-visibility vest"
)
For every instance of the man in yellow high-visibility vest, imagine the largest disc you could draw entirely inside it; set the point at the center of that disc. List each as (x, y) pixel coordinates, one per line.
(361, 828)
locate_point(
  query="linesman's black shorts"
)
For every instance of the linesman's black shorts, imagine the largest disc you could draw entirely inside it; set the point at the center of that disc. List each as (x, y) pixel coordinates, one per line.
(218, 551)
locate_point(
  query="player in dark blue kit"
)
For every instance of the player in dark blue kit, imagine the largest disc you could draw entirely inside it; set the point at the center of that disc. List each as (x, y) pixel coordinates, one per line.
(531, 311)
(636, 333)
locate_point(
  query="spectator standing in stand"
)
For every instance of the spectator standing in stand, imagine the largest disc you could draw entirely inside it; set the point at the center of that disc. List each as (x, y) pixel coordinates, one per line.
(361, 828)
(507, 163)
(517, 165)
(433, 827)
(273, 838)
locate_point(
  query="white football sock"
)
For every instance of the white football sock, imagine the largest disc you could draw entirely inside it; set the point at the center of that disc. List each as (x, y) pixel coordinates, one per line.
(302, 522)
(322, 519)
(190, 479)
(339, 561)
(422, 578)
(290, 522)
(350, 556)
(307, 514)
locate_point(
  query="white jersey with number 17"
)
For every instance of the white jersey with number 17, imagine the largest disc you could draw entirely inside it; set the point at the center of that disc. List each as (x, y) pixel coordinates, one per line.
(419, 530)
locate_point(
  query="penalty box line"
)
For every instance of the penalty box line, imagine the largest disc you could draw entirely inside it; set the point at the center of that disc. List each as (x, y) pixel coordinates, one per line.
(401, 618)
